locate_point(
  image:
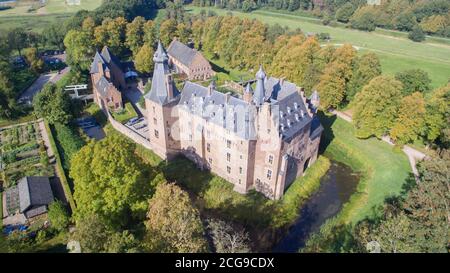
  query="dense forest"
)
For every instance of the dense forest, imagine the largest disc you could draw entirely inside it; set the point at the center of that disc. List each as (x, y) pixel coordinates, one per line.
(430, 16)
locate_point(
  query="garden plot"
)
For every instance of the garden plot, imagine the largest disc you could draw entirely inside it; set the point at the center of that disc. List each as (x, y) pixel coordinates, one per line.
(22, 153)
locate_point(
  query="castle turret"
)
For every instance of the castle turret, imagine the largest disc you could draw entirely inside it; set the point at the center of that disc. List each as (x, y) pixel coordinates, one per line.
(315, 100)
(163, 87)
(258, 96)
(248, 93)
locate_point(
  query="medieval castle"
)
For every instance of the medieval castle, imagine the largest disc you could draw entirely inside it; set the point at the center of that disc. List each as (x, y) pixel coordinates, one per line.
(263, 139)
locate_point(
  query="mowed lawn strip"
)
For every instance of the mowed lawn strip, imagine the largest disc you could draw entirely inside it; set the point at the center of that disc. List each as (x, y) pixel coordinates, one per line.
(396, 53)
(384, 170)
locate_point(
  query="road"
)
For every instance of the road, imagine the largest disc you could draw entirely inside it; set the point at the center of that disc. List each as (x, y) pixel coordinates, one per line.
(412, 154)
(28, 95)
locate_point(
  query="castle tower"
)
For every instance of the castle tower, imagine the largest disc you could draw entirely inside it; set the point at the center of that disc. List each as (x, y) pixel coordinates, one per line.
(161, 108)
(259, 95)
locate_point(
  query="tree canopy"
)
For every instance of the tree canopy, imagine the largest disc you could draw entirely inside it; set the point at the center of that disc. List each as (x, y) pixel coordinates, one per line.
(53, 104)
(173, 224)
(376, 106)
(109, 181)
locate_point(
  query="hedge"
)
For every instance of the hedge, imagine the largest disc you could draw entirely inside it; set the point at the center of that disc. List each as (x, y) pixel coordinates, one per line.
(60, 169)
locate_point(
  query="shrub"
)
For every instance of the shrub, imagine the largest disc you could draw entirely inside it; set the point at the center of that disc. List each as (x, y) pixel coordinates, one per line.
(58, 215)
(417, 34)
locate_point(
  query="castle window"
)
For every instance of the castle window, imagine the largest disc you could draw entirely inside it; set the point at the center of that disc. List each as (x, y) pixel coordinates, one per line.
(239, 181)
(190, 137)
(208, 147)
(154, 109)
(228, 144)
(228, 169)
(156, 134)
(228, 157)
(240, 170)
(269, 174)
(155, 121)
(210, 160)
(270, 159)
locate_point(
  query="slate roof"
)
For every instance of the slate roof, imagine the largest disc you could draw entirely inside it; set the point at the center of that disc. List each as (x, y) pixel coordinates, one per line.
(159, 93)
(182, 53)
(34, 191)
(234, 114)
(102, 86)
(289, 110)
(106, 58)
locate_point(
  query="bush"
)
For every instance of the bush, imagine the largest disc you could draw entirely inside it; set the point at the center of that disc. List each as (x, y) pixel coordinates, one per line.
(417, 34)
(58, 215)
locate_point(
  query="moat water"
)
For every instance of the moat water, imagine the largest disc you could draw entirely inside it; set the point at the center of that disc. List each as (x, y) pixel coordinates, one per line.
(336, 187)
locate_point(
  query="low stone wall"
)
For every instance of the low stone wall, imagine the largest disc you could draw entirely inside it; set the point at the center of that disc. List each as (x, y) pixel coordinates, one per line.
(139, 139)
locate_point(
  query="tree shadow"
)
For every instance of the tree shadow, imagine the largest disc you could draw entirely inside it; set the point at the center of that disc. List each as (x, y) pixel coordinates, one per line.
(327, 135)
(219, 69)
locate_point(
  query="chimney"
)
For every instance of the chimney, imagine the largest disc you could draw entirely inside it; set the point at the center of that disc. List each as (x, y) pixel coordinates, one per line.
(211, 87)
(169, 83)
(248, 93)
(227, 97)
(282, 81)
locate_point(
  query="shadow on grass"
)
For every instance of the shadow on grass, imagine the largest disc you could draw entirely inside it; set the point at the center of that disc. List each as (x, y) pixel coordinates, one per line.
(327, 135)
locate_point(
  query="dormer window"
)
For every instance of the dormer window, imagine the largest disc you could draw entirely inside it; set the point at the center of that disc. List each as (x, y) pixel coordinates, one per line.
(295, 106)
(288, 109)
(302, 114)
(288, 123)
(281, 114)
(297, 118)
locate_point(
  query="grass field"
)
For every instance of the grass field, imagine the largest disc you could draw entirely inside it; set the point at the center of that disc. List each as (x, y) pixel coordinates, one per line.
(54, 10)
(395, 51)
(384, 170)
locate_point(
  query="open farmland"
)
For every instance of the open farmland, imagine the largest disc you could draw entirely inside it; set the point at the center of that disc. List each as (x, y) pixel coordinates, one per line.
(396, 53)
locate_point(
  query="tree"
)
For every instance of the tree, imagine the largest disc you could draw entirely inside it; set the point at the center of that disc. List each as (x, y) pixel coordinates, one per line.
(58, 215)
(410, 122)
(366, 67)
(226, 239)
(332, 86)
(420, 221)
(53, 104)
(96, 236)
(79, 49)
(53, 35)
(112, 33)
(376, 107)
(363, 19)
(17, 39)
(416, 34)
(344, 13)
(109, 181)
(183, 33)
(135, 34)
(414, 80)
(167, 30)
(36, 64)
(144, 59)
(247, 5)
(173, 224)
(405, 21)
(438, 113)
(434, 24)
(149, 33)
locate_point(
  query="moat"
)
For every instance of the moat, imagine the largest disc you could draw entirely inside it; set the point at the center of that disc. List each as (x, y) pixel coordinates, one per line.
(336, 187)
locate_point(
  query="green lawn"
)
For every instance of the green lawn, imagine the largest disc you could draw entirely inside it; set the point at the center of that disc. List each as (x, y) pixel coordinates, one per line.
(384, 170)
(396, 53)
(126, 114)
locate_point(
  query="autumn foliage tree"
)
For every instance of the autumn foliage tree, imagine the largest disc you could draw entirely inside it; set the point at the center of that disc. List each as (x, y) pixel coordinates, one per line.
(376, 107)
(173, 224)
(143, 61)
(410, 121)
